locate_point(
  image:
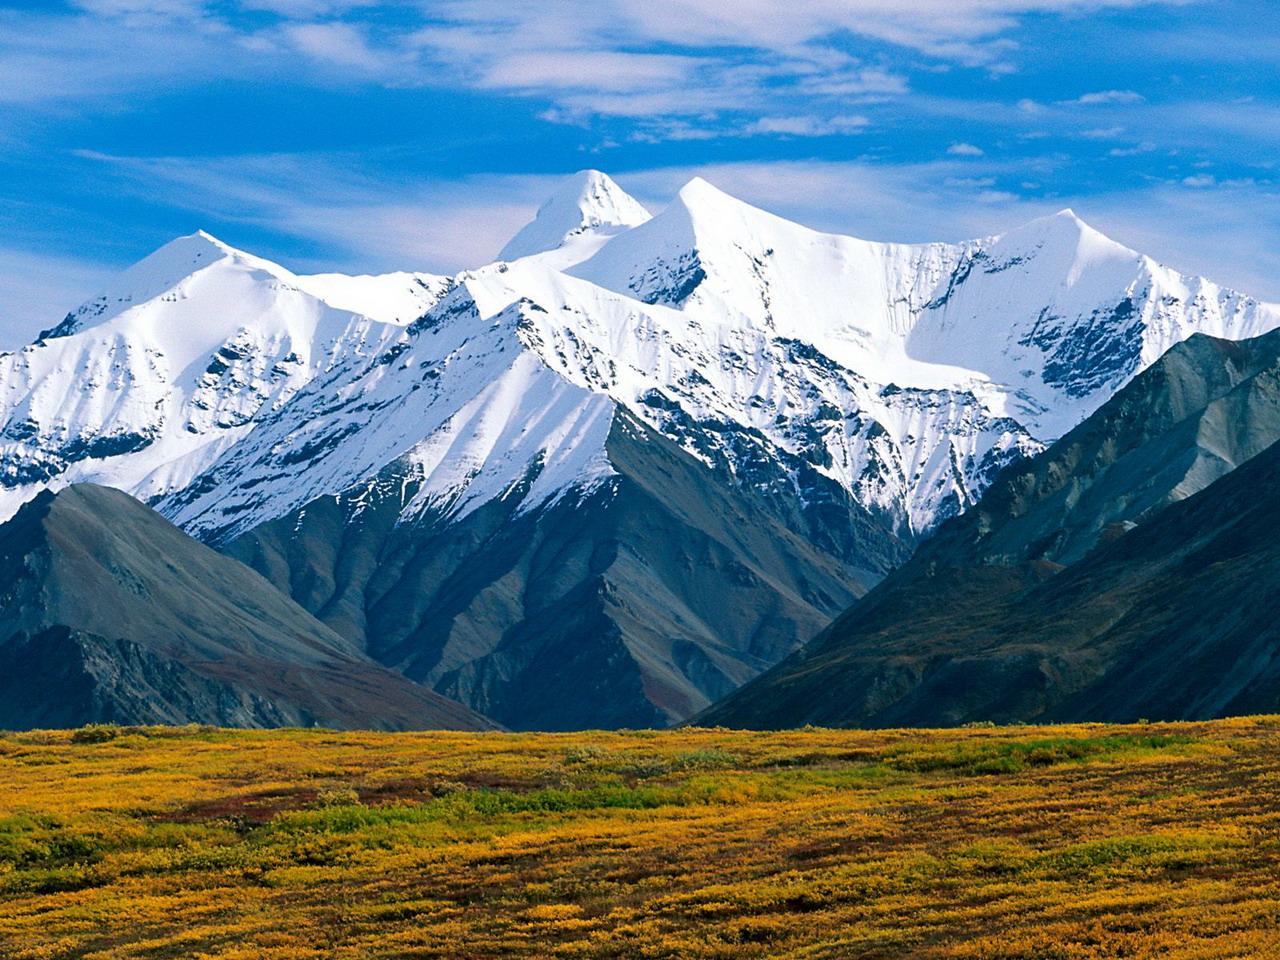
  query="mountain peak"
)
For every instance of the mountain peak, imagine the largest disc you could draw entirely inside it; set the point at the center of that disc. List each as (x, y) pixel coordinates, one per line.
(165, 268)
(158, 271)
(698, 187)
(587, 202)
(183, 256)
(1064, 219)
(199, 248)
(702, 195)
(1066, 229)
(207, 238)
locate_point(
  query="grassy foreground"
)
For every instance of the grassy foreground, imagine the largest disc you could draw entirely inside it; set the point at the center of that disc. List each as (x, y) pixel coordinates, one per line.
(1158, 840)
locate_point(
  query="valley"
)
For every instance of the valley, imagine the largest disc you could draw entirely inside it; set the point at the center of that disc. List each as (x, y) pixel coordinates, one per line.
(1073, 842)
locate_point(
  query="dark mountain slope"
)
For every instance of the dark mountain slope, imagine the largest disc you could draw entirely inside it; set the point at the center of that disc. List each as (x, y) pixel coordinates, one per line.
(1165, 620)
(634, 603)
(110, 613)
(1197, 413)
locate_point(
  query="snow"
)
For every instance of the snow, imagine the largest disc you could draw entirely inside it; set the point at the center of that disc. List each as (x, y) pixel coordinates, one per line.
(184, 350)
(398, 298)
(461, 409)
(588, 202)
(230, 391)
(526, 416)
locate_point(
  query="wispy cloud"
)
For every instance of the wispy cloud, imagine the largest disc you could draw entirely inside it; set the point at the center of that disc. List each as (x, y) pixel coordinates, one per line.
(675, 57)
(965, 31)
(337, 44)
(48, 58)
(1108, 96)
(807, 126)
(1134, 151)
(341, 208)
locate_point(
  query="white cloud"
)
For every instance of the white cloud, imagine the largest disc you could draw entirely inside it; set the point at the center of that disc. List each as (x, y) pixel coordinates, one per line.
(606, 70)
(965, 150)
(335, 44)
(596, 56)
(965, 31)
(621, 58)
(592, 60)
(137, 10)
(45, 59)
(305, 9)
(1135, 151)
(807, 126)
(1109, 96)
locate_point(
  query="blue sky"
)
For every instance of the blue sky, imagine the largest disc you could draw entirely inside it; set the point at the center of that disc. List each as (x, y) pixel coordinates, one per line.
(368, 136)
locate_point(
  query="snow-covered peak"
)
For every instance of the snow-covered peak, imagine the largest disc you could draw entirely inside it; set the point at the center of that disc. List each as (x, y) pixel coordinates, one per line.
(164, 267)
(161, 271)
(714, 216)
(1063, 232)
(200, 265)
(180, 258)
(698, 191)
(906, 373)
(704, 234)
(587, 202)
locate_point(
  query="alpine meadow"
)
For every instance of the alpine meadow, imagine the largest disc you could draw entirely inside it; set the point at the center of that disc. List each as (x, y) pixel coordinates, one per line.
(1075, 842)
(845, 528)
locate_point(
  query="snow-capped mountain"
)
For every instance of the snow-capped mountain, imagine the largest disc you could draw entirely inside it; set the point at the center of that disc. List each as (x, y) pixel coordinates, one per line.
(887, 382)
(587, 206)
(152, 381)
(908, 374)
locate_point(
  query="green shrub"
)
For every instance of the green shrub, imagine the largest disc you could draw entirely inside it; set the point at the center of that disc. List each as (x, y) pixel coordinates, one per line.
(341, 796)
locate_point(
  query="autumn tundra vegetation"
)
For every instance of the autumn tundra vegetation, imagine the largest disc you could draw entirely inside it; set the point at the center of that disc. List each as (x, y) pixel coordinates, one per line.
(1064, 842)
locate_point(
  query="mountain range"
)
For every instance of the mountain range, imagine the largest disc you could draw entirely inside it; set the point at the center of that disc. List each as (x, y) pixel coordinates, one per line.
(1128, 572)
(630, 465)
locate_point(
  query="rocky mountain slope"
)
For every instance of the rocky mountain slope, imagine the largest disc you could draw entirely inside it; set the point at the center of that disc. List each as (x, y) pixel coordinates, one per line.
(853, 394)
(110, 613)
(1084, 585)
(633, 603)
